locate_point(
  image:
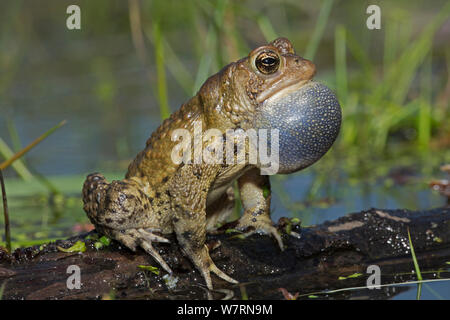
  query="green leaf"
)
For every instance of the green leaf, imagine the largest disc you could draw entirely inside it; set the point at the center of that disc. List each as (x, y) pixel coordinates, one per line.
(79, 246)
(98, 245)
(105, 240)
(266, 192)
(311, 296)
(355, 275)
(155, 270)
(295, 220)
(289, 228)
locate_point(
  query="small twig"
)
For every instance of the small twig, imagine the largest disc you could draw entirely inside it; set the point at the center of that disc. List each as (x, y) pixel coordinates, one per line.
(381, 286)
(19, 154)
(6, 215)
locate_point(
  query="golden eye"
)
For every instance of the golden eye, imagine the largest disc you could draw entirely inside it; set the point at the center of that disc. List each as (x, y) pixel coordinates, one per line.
(267, 62)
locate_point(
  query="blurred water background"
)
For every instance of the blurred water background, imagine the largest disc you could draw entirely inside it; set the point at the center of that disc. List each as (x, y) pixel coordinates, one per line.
(133, 62)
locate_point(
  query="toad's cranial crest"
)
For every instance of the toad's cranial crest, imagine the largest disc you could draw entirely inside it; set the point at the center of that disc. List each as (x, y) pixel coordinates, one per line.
(271, 88)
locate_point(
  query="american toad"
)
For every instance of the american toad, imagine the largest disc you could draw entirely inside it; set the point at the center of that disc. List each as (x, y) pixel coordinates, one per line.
(270, 88)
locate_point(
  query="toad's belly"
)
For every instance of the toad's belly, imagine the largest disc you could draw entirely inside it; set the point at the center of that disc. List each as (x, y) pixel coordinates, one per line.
(224, 180)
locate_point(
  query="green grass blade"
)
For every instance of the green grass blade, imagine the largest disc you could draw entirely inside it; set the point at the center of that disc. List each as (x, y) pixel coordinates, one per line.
(416, 267)
(313, 44)
(206, 60)
(413, 254)
(211, 49)
(341, 64)
(18, 166)
(360, 55)
(433, 292)
(17, 145)
(5, 214)
(424, 115)
(19, 154)
(401, 74)
(160, 71)
(266, 28)
(178, 70)
(2, 289)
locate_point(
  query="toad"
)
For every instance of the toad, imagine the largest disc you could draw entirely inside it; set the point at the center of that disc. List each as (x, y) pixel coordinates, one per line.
(272, 89)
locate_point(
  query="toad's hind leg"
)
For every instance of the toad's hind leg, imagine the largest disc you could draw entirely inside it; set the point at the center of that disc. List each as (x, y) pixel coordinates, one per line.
(118, 205)
(133, 238)
(189, 217)
(123, 212)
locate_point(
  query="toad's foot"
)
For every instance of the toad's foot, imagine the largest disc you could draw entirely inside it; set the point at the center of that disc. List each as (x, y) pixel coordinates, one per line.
(132, 238)
(204, 263)
(252, 223)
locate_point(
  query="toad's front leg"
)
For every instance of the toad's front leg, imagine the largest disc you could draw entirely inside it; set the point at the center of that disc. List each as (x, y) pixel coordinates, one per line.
(254, 190)
(189, 216)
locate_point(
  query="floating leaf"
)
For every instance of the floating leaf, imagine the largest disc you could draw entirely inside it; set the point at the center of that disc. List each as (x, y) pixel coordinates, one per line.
(79, 246)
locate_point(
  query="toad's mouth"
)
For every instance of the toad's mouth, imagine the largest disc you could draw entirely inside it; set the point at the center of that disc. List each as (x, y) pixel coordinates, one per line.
(277, 93)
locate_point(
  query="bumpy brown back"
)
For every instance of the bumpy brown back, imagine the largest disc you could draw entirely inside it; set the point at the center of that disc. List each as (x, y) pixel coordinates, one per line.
(94, 190)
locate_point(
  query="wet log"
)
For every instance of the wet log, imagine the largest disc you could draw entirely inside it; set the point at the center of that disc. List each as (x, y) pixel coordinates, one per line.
(321, 259)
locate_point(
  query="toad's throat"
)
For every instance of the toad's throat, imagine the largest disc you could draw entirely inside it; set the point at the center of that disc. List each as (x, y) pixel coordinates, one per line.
(288, 87)
(307, 116)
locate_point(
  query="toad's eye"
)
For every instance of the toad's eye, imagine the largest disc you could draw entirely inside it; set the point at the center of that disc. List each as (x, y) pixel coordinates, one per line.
(267, 62)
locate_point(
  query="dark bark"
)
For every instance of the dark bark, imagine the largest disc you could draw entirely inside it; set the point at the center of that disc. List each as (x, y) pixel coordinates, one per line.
(313, 263)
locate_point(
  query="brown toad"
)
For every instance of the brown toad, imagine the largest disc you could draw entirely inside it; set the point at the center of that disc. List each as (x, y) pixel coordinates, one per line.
(159, 196)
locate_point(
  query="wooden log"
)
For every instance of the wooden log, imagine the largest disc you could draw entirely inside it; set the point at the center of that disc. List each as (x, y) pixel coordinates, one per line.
(317, 261)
